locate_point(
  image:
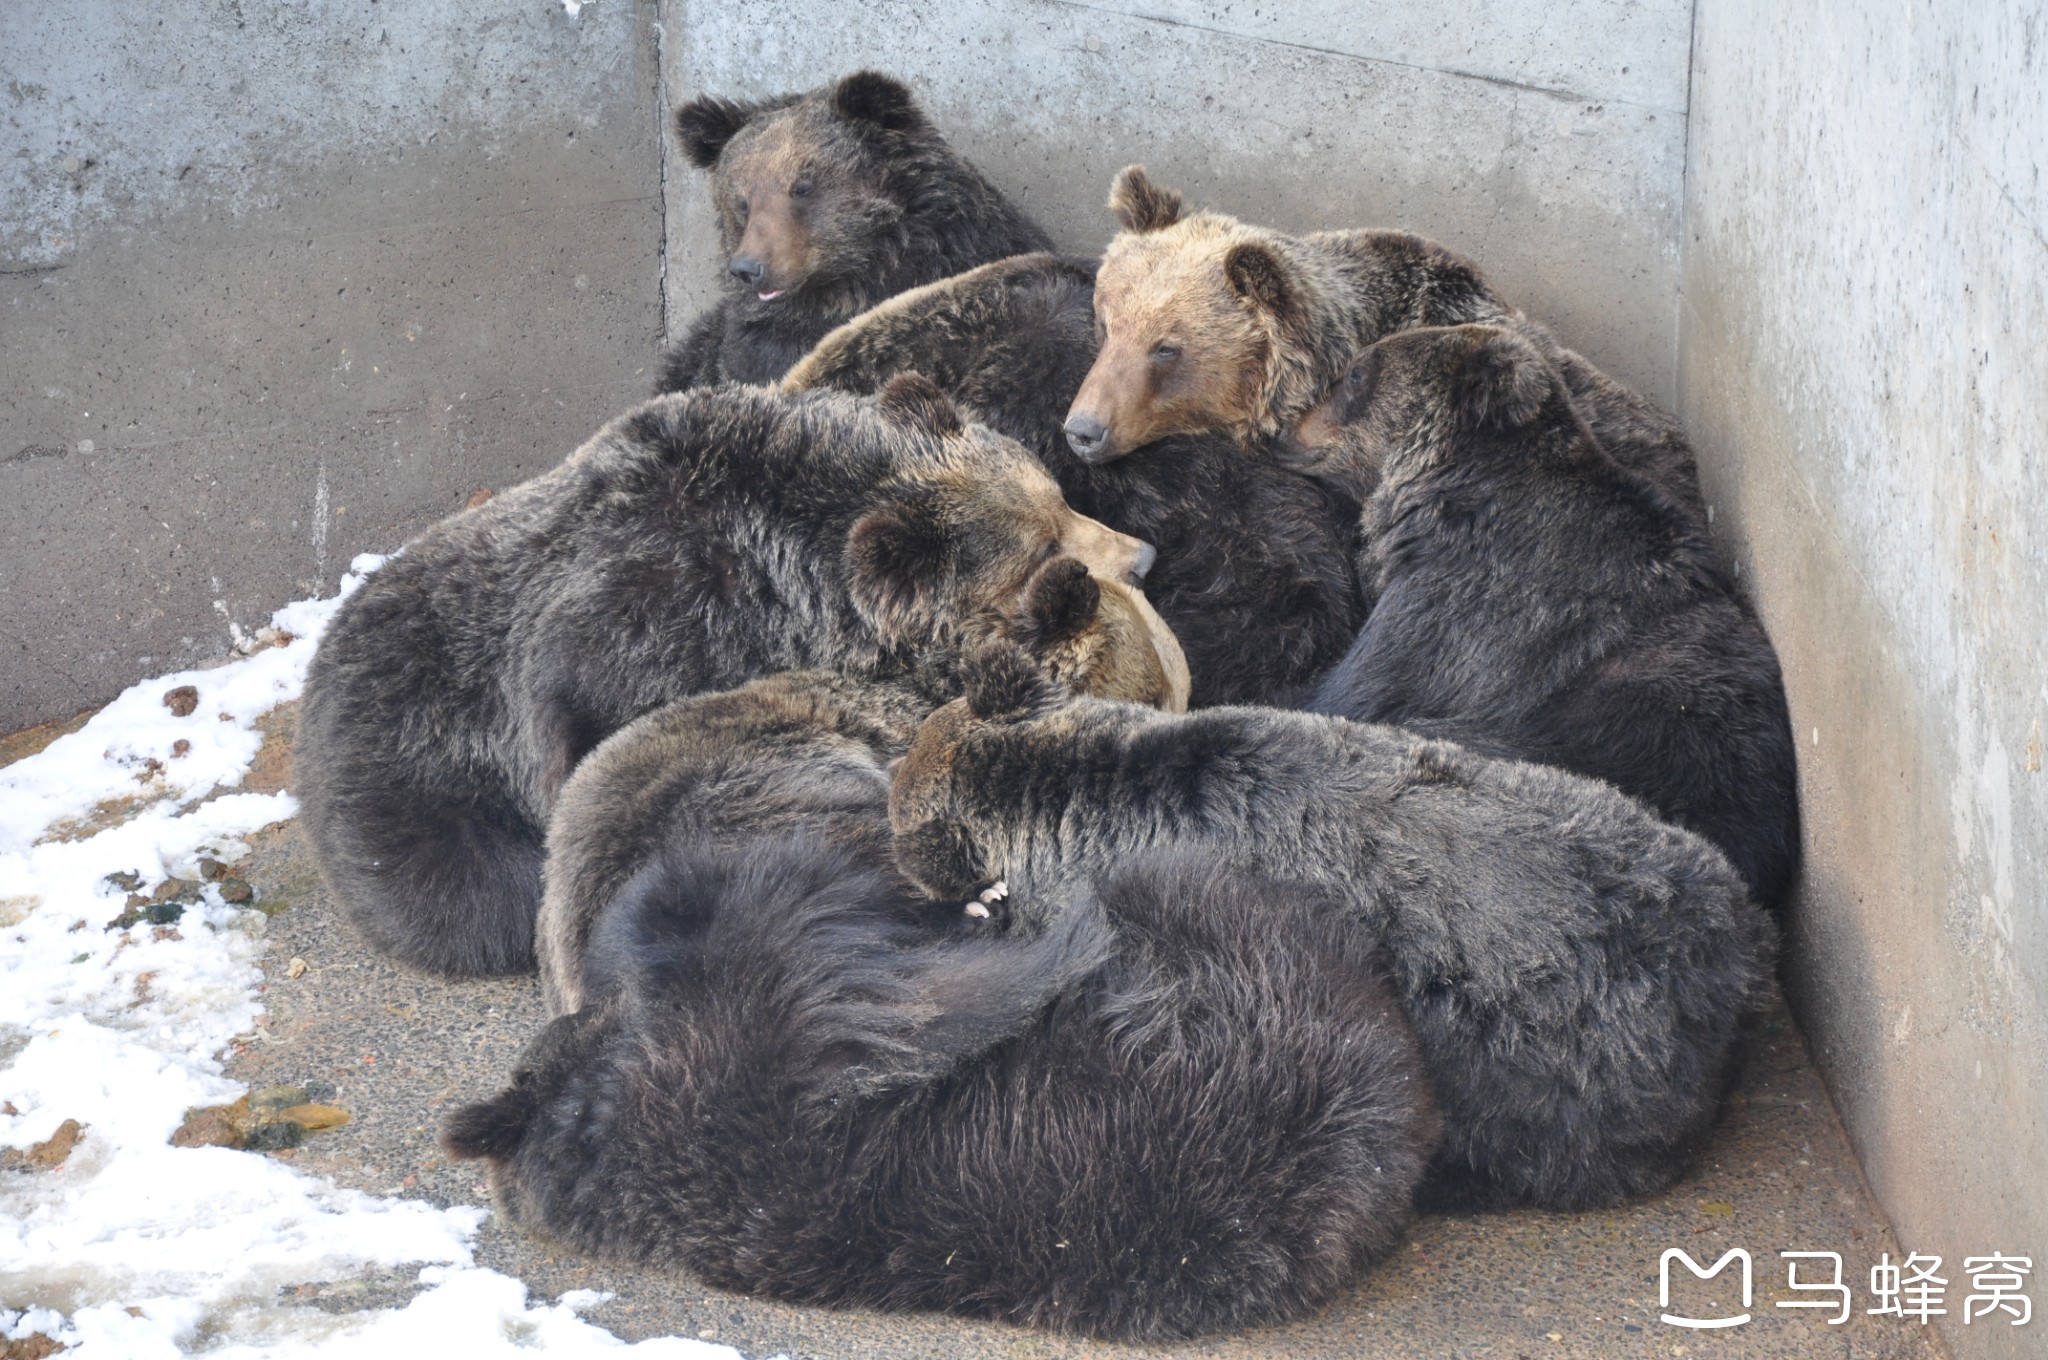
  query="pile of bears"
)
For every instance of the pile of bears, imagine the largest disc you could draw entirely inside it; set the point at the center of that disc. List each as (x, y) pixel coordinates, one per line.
(930, 919)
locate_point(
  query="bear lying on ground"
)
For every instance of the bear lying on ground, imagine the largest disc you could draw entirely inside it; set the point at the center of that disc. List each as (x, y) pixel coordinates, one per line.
(1188, 1106)
(1577, 972)
(1207, 323)
(1255, 563)
(697, 542)
(1539, 600)
(801, 751)
(828, 202)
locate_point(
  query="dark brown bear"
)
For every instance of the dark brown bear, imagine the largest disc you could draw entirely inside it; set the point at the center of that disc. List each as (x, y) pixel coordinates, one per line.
(801, 751)
(1255, 563)
(1541, 600)
(828, 202)
(1577, 971)
(695, 543)
(1189, 1106)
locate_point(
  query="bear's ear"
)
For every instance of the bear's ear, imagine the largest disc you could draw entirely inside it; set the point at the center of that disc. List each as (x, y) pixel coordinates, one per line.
(1001, 681)
(1060, 600)
(871, 97)
(1141, 205)
(915, 402)
(1500, 383)
(491, 1128)
(894, 556)
(707, 123)
(1259, 276)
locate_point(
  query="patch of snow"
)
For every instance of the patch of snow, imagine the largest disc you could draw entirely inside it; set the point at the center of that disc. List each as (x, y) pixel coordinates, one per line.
(133, 1248)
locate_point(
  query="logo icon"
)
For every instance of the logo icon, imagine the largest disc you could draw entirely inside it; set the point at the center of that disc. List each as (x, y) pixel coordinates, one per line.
(1664, 1286)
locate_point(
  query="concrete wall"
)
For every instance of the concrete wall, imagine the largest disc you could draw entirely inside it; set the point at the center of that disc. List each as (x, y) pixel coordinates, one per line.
(281, 282)
(1486, 125)
(1865, 287)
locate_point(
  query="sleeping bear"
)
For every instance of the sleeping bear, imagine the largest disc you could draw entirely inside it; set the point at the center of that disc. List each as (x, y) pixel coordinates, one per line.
(1539, 599)
(1576, 971)
(1254, 573)
(697, 542)
(1190, 1105)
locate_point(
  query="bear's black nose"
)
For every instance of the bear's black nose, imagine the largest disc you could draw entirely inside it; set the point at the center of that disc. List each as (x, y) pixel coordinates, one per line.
(1147, 555)
(1086, 436)
(746, 267)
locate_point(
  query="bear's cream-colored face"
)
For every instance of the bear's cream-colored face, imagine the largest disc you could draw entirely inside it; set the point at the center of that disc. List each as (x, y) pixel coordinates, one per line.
(1409, 395)
(1179, 350)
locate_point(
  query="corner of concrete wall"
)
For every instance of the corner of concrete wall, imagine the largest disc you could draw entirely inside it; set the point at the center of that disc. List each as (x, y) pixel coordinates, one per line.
(282, 283)
(1865, 278)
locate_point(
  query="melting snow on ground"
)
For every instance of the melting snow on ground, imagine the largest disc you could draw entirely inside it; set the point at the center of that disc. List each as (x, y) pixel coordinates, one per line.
(132, 1248)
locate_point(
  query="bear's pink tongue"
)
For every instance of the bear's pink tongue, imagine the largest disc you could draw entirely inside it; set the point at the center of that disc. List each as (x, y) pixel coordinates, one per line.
(770, 295)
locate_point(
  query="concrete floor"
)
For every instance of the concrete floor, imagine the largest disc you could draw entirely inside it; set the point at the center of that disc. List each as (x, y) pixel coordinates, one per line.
(398, 1049)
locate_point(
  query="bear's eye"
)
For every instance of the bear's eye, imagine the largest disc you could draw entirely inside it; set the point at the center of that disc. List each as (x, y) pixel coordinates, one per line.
(739, 209)
(1165, 354)
(801, 189)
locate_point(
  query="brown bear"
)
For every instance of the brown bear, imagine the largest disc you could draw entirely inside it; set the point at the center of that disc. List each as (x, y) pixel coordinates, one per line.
(1190, 1106)
(697, 542)
(1578, 972)
(803, 751)
(1207, 323)
(828, 202)
(1255, 563)
(1537, 598)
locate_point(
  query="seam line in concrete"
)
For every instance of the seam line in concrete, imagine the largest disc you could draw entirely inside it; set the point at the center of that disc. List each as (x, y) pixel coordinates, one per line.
(1547, 91)
(661, 165)
(1692, 47)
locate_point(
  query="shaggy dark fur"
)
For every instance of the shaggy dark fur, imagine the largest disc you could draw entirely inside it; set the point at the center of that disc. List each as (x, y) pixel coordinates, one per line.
(1255, 563)
(1189, 1106)
(1577, 972)
(1538, 599)
(805, 750)
(694, 543)
(829, 202)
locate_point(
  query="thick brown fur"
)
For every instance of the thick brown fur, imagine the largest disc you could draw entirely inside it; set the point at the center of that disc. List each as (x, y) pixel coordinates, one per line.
(695, 543)
(1254, 572)
(1208, 323)
(1577, 971)
(1540, 598)
(828, 202)
(1189, 1106)
(801, 751)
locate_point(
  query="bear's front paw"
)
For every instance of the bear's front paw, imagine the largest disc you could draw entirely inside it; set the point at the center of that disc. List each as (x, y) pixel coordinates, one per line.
(993, 895)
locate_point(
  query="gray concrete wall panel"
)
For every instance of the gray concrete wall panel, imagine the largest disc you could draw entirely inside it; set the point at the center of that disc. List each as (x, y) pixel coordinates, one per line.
(283, 283)
(1866, 273)
(1565, 184)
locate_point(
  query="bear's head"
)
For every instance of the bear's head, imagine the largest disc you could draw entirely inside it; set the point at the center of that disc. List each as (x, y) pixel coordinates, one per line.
(984, 739)
(1194, 316)
(1412, 395)
(811, 189)
(969, 540)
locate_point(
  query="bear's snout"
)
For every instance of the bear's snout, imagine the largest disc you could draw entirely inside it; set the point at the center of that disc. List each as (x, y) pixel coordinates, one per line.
(1087, 437)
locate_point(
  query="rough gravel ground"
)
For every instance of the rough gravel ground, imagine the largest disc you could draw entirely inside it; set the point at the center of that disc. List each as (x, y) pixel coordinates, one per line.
(398, 1049)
